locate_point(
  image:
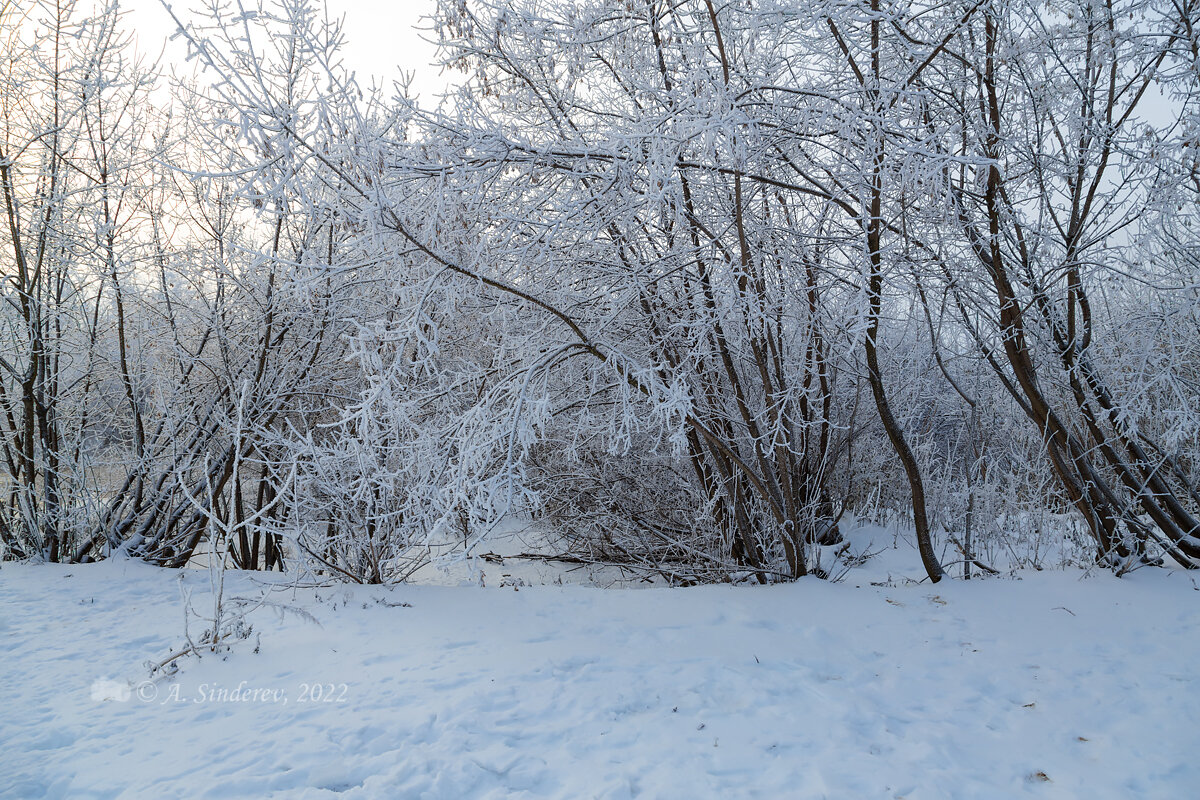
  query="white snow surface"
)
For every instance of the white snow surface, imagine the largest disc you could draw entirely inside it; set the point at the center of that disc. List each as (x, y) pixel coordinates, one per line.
(1052, 684)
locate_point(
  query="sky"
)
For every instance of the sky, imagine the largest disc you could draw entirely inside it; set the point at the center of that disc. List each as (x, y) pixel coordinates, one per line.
(382, 37)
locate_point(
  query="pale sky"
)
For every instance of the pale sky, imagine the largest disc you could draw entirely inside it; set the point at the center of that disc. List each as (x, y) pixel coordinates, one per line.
(382, 38)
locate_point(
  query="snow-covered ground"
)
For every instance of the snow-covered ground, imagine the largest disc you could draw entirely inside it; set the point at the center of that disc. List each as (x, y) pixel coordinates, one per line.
(1053, 685)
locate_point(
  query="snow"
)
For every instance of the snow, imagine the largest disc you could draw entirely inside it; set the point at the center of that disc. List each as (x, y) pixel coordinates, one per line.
(1054, 684)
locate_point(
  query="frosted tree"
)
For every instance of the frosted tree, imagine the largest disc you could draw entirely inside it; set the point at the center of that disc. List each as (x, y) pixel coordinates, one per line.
(1079, 118)
(75, 148)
